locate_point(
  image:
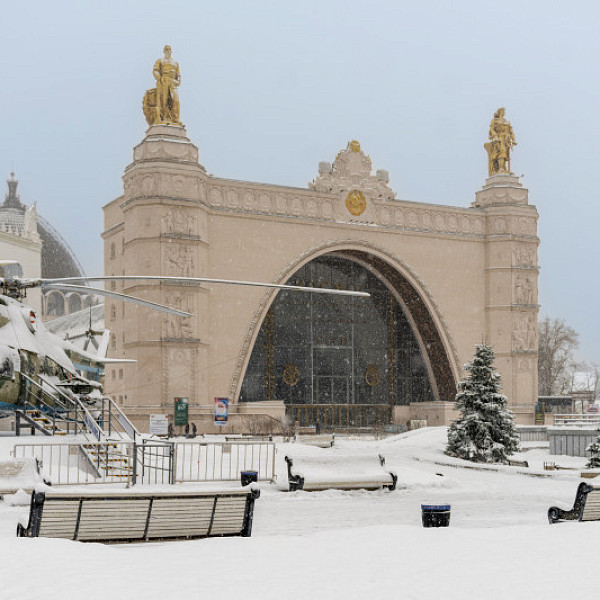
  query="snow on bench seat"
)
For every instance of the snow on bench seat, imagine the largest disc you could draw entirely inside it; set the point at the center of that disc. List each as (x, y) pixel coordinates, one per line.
(344, 472)
(20, 474)
(140, 516)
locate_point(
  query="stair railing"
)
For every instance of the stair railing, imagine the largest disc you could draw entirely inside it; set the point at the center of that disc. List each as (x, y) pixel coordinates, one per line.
(58, 402)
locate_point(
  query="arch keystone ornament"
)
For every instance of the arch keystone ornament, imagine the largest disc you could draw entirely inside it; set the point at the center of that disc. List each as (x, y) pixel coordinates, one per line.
(356, 203)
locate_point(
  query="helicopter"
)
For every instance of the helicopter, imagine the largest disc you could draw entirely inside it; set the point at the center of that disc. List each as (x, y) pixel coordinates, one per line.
(32, 355)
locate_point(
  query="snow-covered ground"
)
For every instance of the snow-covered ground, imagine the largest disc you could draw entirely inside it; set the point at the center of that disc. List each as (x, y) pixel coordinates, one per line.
(337, 544)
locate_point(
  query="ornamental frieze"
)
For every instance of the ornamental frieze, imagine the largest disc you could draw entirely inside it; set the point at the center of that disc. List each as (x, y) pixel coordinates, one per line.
(384, 213)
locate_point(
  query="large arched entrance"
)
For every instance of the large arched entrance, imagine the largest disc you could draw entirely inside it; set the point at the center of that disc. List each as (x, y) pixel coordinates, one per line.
(343, 362)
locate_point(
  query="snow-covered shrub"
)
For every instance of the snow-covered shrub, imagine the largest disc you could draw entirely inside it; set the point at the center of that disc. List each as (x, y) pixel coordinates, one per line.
(485, 431)
(594, 450)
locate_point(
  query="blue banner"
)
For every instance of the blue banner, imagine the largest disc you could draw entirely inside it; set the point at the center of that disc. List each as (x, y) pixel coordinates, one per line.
(221, 410)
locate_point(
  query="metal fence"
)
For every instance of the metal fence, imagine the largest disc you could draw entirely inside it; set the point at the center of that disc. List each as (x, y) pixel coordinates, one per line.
(150, 462)
(532, 433)
(223, 461)
(77, 463)
(577, 420)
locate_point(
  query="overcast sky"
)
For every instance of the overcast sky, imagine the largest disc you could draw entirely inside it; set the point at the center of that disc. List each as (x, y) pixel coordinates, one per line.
(269, 89)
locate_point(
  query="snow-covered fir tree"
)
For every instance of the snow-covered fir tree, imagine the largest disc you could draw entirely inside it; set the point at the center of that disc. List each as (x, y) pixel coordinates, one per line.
(594, 450)
(485, 431)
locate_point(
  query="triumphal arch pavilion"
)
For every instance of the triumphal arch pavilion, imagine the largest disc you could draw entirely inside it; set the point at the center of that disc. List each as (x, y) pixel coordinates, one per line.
(441, 279)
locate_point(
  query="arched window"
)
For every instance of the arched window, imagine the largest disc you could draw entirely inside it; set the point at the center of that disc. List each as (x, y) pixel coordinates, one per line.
(74, 302)
(55, 304)
(317, 351)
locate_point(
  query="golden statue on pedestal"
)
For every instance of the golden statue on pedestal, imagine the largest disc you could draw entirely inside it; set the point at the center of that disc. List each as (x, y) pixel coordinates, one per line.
(161, 104)
(502, 139)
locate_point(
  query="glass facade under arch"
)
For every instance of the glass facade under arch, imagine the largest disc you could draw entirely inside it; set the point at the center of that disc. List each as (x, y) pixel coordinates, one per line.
(321, 350)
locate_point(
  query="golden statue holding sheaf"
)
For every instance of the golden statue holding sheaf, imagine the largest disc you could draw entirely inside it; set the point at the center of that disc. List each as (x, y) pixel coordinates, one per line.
(502, 139)
(161, 104)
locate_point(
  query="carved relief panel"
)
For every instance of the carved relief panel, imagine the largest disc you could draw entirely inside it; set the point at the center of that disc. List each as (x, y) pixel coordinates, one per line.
(179, 260)
(178, 221)
(524, 334)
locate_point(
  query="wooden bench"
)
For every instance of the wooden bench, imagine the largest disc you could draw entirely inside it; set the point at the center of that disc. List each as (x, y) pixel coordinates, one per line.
(134, 516)
(339, 472)
(586, 507)
(326, 440)
(20, 474)
(517, 463)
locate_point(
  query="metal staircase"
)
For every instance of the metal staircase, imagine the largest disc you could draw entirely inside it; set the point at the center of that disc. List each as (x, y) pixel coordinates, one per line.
(108, 461)
(51, 411)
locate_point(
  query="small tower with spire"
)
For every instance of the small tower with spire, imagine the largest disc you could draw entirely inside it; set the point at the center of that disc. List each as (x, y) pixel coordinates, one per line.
(12, 199)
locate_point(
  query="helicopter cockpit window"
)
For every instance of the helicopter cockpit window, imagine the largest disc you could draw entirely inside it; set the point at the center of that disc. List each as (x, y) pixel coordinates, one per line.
(9, 363)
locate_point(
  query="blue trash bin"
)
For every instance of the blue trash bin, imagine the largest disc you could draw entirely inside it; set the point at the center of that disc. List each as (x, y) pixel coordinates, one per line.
(435, 515)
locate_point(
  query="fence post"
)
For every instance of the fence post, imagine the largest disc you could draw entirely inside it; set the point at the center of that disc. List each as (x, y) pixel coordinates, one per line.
(134, 473)
(173, 463)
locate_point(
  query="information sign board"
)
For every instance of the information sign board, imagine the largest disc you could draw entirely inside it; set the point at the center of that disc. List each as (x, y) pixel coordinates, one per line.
(181, 411)
(159, 424)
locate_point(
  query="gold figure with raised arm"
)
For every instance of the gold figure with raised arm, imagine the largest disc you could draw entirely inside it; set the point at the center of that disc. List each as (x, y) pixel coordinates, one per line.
(161, 104)
(502, 139)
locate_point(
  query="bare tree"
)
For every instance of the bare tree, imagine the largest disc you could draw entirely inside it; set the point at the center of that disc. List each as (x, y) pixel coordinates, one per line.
(557, 341)
(587, 378)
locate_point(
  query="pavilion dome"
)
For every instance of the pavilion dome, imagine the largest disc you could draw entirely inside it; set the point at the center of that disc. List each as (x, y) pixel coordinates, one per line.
(58, 260)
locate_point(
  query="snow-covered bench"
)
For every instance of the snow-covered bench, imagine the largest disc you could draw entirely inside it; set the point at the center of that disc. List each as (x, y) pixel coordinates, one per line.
(134, 516)
(345, 472)
(586, 507)
(20, 474)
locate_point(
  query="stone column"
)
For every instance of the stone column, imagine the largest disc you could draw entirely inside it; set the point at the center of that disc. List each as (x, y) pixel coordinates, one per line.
(512, 287)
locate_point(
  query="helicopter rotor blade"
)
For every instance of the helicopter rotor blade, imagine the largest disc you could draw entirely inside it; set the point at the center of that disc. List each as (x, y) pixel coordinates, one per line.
(298, 288)
(125, 297)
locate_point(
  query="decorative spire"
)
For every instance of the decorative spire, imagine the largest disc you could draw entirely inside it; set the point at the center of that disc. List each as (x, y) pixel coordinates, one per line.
(12, 199)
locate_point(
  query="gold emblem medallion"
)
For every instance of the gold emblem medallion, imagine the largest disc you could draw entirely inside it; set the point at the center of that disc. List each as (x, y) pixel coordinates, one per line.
(291, 375)
(355, 146)
(356, 203)
(372, 375)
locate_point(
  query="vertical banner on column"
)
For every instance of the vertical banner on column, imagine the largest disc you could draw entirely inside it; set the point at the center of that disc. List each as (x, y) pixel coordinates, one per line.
(221, 410)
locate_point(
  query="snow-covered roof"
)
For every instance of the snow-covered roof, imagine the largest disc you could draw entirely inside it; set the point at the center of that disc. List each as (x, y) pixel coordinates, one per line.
(75, 328)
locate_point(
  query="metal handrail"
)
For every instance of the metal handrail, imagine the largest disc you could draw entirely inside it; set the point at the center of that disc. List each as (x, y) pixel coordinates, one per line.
(87, 419)
(128, 429)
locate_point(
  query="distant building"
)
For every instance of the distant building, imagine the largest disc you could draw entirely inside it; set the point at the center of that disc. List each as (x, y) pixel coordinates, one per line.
(42, 251)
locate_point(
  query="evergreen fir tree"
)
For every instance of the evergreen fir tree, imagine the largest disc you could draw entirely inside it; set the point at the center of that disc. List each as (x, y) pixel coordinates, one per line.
(594, 450)
(485, 431)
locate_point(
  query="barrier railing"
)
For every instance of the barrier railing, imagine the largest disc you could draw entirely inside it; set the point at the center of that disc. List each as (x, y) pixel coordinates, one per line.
(84, 462)
(577, 420)
(223, 461)
(79, 463)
